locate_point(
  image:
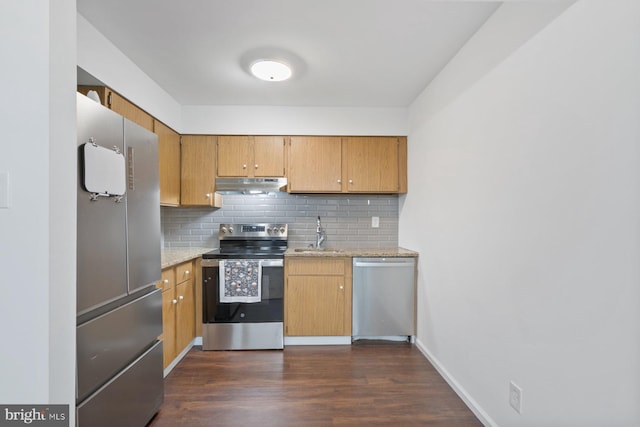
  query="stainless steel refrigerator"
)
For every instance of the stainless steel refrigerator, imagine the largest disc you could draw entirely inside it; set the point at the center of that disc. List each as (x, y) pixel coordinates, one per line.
(119, 374)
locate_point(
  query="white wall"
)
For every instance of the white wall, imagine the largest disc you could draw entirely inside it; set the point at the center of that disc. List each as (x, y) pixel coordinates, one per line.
(100, 58)
(62, 203)
(265, 120)
(524, 206)
(37, 110)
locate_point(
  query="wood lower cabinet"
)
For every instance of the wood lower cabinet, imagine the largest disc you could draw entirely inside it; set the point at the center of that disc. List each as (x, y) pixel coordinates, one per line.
(198, 172)
(251, 156)
(169, 304)
(185, 315)
(317, 296)
(178, 309)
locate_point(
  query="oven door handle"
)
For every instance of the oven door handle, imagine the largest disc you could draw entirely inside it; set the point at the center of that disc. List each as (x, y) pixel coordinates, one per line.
(209, 262)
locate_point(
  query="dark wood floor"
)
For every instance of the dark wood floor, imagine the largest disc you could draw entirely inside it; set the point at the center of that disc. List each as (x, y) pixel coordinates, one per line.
(383, 384)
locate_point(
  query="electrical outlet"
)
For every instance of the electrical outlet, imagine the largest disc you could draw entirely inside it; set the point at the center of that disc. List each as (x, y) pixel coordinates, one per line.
(515, 397)
(375, 221)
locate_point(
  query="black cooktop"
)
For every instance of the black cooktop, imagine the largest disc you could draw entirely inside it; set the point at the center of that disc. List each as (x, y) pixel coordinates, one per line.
(244, 254)
(246, 241)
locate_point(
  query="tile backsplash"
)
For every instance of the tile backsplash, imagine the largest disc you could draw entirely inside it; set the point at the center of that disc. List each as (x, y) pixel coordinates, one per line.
(345, 218)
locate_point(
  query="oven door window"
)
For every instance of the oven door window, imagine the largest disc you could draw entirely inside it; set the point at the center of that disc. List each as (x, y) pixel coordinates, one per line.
(269, 309)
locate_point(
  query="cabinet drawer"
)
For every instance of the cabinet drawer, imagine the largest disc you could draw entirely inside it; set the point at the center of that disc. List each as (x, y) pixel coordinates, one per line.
(184, 272)
(316, 266)
(168, 280)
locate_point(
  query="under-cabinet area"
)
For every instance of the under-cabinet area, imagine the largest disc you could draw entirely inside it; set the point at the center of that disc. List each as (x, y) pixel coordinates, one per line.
(319, 298)
(323, 307)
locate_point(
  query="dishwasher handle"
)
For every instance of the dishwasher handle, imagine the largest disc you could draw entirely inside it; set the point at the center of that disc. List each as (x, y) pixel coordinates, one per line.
(385, 264)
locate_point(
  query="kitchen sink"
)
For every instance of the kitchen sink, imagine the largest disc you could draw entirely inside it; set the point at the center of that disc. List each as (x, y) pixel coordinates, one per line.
(318, 250)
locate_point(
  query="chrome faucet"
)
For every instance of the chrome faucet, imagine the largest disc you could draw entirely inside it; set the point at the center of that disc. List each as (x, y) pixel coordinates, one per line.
(320, 234)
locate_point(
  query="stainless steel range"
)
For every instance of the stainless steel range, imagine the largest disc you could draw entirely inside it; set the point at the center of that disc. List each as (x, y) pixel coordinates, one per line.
(243, 288)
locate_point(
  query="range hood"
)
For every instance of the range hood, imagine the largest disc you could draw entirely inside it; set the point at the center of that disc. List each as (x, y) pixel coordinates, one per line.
(254, 186)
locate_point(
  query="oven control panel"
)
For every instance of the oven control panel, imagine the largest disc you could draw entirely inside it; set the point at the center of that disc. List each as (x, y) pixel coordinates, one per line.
(253, 231)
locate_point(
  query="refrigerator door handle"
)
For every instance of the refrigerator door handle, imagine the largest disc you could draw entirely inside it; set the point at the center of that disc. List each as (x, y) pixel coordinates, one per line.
(130, 168)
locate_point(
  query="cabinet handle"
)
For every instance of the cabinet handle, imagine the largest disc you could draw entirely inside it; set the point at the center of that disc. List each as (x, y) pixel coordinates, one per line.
(208, 195)
(350, 181)
(339, 181)
(175, 301)
(341, 287)
(244, 166)
(186, 272)
(165, 281)
(256, 166)
(180, 297)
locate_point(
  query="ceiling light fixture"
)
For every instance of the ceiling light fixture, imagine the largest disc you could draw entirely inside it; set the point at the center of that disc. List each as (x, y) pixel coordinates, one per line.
(271, 71)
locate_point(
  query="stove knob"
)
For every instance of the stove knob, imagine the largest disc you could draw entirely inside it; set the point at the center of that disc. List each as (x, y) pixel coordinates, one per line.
(269, 230)
(230, 229)
(282, 229)
(224, 230)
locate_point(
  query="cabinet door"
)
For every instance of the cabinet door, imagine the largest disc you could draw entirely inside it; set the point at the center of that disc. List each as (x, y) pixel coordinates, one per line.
(120, 105)
(372, 164)
(131, 111)
(198, 170)
(315, 164)
(169, 304)
(234, 156)
(169, 159)
(315, 306)
(185, 315)
(102, 91)
(268, 156)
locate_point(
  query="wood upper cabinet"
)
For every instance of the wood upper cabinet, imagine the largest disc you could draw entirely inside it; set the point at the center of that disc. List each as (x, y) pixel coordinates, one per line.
(198, 171)
(315, 164)
(120, 105)
(233, 155)
(371, 164)
(268, 156)
(131, 111)
(169, 159)
(251, 156)
(317, 296)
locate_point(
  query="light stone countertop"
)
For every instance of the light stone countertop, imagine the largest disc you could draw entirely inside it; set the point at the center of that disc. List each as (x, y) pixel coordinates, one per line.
(392, 252)
(174, 256)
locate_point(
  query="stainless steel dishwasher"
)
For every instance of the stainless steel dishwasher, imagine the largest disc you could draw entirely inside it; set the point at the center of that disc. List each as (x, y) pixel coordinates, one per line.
(383, 298)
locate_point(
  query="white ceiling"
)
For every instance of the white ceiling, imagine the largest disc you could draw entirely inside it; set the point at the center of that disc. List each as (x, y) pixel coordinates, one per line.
(359, 53)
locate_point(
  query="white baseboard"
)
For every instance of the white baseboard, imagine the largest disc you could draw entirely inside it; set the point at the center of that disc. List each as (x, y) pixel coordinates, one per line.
(317, 340)
(181, 356)
(395, 338)
(477, 410)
